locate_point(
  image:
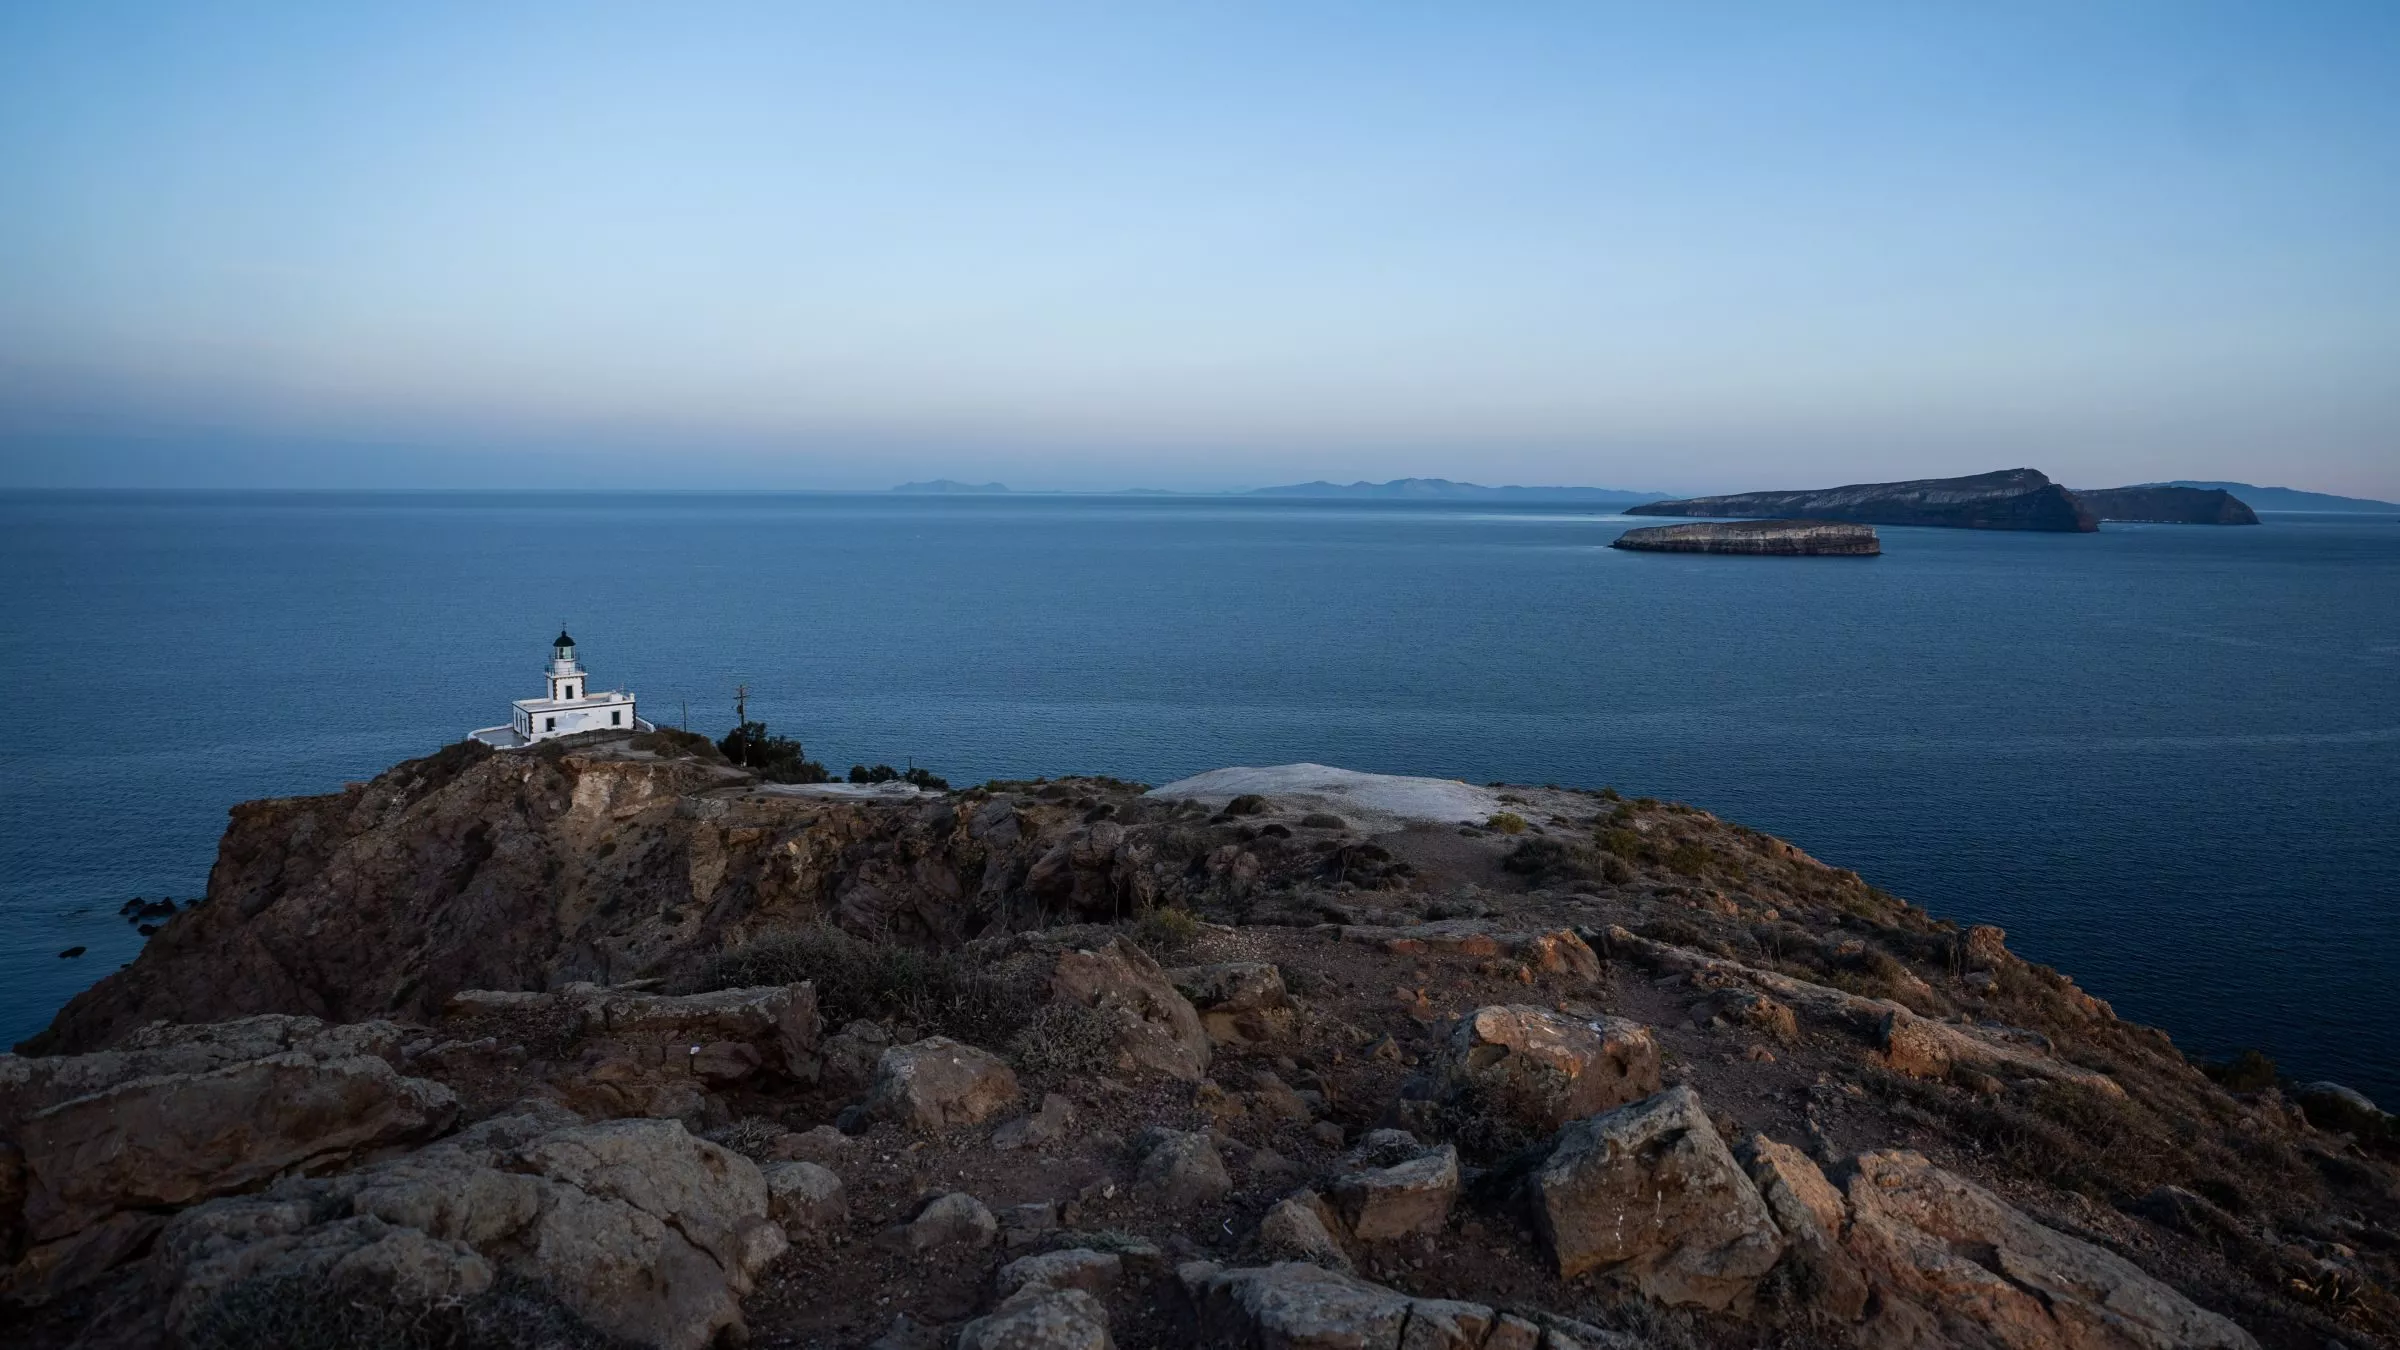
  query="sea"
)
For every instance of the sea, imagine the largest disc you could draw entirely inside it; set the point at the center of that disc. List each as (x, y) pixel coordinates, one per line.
(2165, 758)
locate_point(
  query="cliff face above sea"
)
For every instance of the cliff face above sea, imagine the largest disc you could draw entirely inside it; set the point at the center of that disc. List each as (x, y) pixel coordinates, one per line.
(2009, 499)
(2169, 505)
(612, 1043)
(1783, 538)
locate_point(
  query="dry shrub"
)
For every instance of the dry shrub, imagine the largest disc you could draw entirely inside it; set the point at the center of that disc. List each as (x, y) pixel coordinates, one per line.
(1063, 1040)
(1164, 931)
(1549, 861)
(1506, 822)
(296, 1312)
(948, 991)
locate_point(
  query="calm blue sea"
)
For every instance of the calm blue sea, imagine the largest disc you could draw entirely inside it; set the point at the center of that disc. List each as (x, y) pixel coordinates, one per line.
(2164, 758)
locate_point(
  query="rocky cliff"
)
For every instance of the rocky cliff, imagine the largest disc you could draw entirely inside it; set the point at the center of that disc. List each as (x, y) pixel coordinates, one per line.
(1784, 538)
(604, 1046)
(2009, 499)
(2169, 505)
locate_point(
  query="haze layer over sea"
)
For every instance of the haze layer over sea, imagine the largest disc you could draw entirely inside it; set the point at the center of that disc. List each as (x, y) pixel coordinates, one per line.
(2165, 758)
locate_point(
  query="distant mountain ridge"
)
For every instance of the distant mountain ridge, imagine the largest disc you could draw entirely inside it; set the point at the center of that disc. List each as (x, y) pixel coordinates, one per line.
(2006, 499)
(2284, 498)
(945, 486)
(1444, 489)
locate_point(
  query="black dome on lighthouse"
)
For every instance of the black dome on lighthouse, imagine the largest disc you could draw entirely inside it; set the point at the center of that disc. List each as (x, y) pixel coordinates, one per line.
(563, 639)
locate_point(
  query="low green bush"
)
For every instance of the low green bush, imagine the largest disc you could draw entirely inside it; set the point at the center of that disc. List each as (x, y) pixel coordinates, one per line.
(1506, 822)
(1163, 931)
(778, 759)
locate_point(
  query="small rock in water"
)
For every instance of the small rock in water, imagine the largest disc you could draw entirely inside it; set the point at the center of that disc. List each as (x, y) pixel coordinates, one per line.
(71, 951)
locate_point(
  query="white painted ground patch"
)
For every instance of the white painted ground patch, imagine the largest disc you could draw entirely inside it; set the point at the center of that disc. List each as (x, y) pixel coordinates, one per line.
(1366, 800)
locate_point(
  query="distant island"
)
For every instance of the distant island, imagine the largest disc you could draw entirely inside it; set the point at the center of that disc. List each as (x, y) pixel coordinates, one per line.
(2161, 503)
(1773, 538)
(2284, 498)
(2010, 499)
(950, 487)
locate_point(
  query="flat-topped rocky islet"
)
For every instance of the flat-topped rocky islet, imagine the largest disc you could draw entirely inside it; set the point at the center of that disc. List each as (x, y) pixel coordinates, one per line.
(1775, 538)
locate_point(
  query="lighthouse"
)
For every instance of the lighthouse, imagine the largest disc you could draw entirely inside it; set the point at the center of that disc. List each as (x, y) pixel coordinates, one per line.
(568, 708)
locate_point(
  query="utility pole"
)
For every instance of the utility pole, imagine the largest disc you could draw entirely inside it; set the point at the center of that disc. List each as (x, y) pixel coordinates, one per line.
(741, 719)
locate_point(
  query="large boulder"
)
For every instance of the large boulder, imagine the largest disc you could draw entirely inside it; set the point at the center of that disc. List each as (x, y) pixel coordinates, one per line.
(1155, 1029)
(954, 1220)
(1959, 1266)
(1240, 1002)
(635, 1226)
(1180, 1169)
(1296, 1306)
(1301, 1228)
(1650, 1189)
(941, 1084)
(1093, 1272)
(1040, 1317)
(33, 1083)
(778, 1022)
(805, 1197)
(1542, 1069)
(1813, 1218)
(161, 1142)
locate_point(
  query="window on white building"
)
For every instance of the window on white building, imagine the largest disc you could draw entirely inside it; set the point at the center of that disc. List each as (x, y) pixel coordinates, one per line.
(549, 724)
(616, 719)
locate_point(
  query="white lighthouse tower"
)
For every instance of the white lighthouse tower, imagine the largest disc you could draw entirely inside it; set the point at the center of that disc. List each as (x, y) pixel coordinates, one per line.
(569, 708)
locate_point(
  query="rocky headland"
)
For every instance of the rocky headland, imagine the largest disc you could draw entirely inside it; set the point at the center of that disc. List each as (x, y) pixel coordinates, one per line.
(2009, 499)
(614, 1044)
(2167, 505)
(1779, 538)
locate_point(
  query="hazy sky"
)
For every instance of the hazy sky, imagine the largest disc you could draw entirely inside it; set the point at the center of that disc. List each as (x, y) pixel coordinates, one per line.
(1686, 247)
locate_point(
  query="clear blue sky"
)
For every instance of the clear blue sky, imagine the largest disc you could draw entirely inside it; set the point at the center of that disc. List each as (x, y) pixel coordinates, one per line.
(1678, 246)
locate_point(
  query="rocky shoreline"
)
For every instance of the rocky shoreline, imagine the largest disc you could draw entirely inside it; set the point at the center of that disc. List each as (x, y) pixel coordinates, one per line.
(607, 1045)
(1778, 538)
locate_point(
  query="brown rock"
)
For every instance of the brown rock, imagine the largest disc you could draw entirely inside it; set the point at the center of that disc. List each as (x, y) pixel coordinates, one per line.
(939, 1084)
(1301, 1228)
(1240, 1002)
(804, 1197)
(636, 1226)
(823, 1145)
(1813, 1218)
(1156, 1029)
(1749, 1008)
(1040, 1318)
(1957, 1265)
(1650, 1188)
(1180, 1169)
(1983, 947)
(1543, 1068)
(1043, 1127)
(1403, 1200)
(954, 1220)
(1561, 952)
(153, 1143)
(1071, 1268)
(1297, 1306)
(777, 1022)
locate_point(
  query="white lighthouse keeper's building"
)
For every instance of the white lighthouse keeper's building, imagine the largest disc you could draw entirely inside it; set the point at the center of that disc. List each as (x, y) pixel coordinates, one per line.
(570, 707)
